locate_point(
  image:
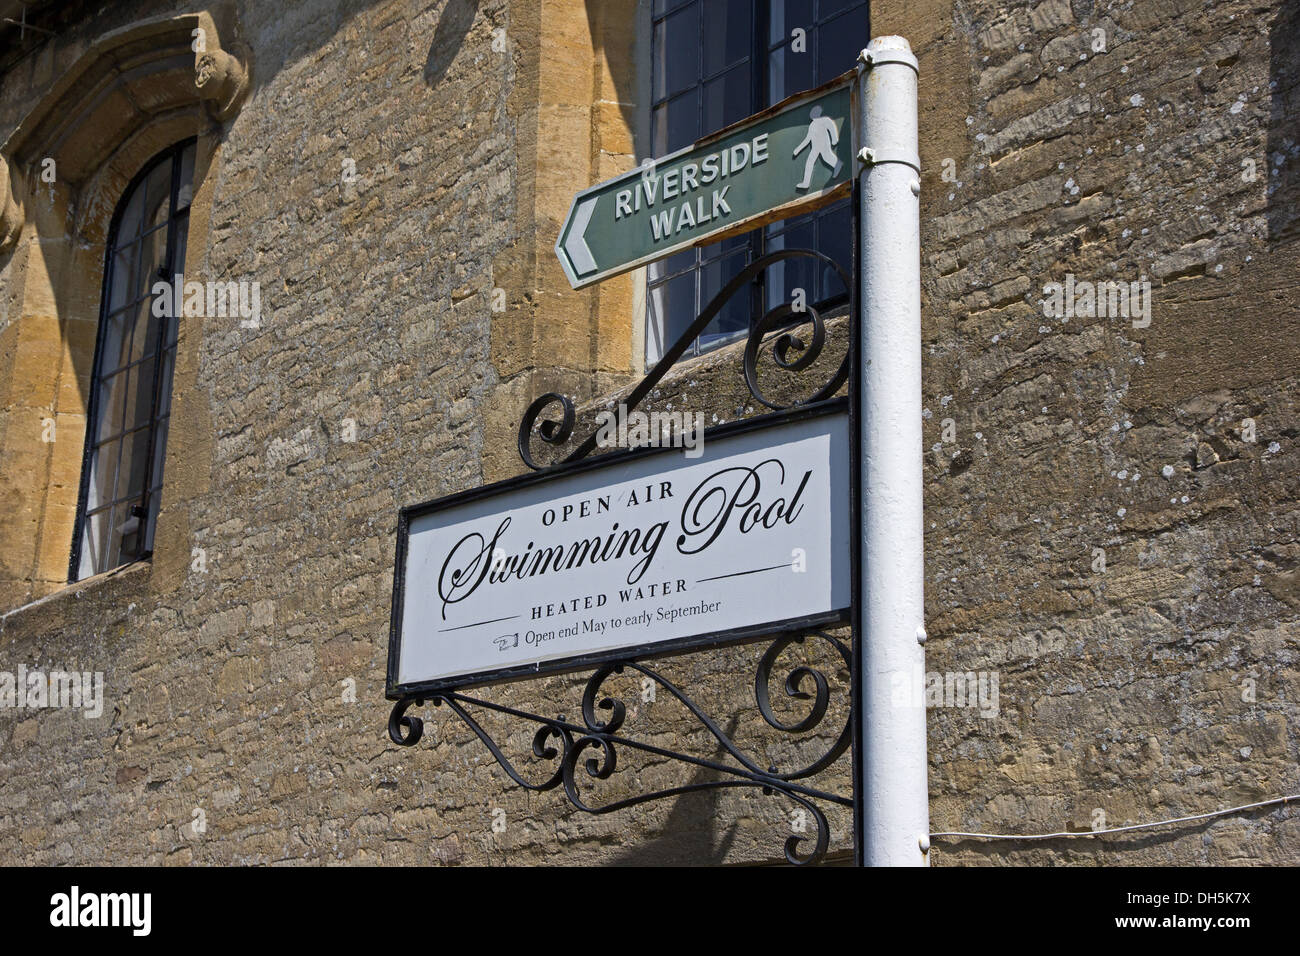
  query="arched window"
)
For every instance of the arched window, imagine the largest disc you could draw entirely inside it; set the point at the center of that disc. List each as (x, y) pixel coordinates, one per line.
(130, 389)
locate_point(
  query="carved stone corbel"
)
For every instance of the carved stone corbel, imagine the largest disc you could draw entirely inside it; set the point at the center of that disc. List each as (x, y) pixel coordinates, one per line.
(223, 81)
(11, 208)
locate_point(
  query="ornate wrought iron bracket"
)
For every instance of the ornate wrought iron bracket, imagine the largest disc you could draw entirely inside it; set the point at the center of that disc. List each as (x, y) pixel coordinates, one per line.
(595, 743)
(561, 743)
(789, 352)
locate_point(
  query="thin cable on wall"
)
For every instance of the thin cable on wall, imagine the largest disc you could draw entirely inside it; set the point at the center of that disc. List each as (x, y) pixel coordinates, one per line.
(1135, 826)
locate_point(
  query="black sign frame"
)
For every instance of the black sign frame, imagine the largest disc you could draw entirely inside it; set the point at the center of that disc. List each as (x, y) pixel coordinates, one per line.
(396, 692)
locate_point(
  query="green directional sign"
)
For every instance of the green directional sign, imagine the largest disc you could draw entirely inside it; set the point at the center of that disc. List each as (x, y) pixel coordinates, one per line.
(784, 161)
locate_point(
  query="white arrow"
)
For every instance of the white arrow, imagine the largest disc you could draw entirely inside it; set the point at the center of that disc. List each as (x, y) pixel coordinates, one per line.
(575, 246)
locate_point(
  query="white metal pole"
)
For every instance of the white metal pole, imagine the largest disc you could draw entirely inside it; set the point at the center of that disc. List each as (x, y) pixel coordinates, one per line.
(892, 760)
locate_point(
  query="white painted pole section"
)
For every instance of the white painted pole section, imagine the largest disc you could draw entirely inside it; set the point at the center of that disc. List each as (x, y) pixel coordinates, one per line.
(892, 761)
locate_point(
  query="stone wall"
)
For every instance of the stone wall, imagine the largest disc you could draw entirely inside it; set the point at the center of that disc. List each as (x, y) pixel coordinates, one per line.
(1150, 141)
(1101, 534)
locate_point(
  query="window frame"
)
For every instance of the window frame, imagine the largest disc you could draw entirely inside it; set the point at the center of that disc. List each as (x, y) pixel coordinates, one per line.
(177, 221)
(756, 241)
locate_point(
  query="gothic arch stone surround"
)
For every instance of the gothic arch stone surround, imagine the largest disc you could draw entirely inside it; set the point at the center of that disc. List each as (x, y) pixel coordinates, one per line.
(63, 169)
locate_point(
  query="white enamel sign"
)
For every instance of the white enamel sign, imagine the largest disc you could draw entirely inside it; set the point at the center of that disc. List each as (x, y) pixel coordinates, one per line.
(649, 551)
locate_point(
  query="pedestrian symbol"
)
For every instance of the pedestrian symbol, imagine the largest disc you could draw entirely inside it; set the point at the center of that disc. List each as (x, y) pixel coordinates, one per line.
(820, 142)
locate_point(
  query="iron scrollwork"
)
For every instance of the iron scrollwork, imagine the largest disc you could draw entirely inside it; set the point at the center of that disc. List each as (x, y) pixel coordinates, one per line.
(562, 744)
(789, 352)
(594, 745)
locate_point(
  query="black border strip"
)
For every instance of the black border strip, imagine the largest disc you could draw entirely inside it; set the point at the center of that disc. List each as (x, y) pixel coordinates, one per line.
(395, 691)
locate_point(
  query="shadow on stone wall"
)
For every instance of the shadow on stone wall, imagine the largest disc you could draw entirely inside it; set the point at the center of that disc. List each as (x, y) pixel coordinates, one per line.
(609, 22)
(453, 26)
(1284, 126)
(689, 836)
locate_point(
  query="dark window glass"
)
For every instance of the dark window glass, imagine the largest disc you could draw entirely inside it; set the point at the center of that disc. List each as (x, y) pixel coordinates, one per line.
(727, 99)
(130, 394)
(715, 63)
(677, 51)
(728, 32)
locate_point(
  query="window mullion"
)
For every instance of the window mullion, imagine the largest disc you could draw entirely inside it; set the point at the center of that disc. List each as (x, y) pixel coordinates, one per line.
(759, 66)
(160, 344)
(699, 130)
